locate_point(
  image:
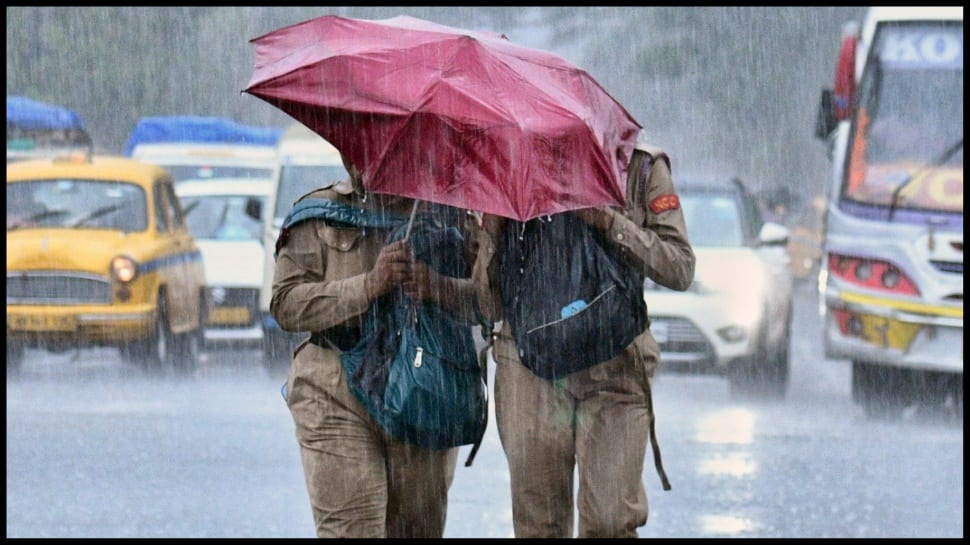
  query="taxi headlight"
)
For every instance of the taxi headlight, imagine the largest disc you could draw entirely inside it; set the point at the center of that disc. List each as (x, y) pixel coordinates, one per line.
(123, 269)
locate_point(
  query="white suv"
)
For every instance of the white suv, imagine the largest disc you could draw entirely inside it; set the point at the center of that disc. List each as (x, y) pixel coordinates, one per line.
(735, 319)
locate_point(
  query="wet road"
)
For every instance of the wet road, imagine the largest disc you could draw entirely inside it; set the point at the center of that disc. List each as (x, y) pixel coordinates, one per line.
(94, 449)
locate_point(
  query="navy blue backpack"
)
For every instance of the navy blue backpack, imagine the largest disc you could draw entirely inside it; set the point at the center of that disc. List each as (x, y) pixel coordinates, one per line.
(569, 298)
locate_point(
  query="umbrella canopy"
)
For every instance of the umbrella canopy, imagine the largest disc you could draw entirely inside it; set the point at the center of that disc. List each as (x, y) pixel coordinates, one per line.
(458, 117)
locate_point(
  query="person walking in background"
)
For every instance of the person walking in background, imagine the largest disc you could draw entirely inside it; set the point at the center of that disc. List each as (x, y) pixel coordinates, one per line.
(361, 482)
(600, 418)
(777, 206)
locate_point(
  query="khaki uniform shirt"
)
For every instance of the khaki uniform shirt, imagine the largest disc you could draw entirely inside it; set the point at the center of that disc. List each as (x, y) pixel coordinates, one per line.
(320, 270)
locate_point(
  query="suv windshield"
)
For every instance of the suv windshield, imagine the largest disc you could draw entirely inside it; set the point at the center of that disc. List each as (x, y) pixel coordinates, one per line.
(713, 219)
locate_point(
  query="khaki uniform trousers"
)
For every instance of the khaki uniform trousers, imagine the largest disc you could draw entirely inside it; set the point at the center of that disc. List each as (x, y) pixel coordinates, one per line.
(361, 482)
(596, 420)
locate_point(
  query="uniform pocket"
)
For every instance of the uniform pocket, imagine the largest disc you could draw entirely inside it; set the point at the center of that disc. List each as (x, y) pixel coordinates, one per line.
(646, 352)
(316, 365)
(348, 252)
(343, 240)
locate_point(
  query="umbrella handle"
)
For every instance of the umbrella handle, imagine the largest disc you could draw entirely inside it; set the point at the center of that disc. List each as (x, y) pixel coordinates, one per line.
(413, 312)
(414, 209)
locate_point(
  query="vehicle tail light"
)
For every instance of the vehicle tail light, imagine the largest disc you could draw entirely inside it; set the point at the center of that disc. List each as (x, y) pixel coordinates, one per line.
(872, 273)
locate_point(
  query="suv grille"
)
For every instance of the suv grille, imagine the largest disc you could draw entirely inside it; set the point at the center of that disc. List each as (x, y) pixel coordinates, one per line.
(684, 337)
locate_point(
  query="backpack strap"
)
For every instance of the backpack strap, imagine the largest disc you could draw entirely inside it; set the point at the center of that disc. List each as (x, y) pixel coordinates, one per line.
(488, 333)
(657, 462)
(644, 156)
(648, 391)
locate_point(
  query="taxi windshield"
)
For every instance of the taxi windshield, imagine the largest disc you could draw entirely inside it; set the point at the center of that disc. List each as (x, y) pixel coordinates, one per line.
(76, 204)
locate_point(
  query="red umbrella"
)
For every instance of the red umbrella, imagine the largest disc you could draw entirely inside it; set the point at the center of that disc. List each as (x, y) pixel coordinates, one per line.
(459, 117)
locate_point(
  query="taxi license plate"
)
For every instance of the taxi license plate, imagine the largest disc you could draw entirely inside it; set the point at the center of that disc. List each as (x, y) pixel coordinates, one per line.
(20, 322)
(659, 330)
(229, 315)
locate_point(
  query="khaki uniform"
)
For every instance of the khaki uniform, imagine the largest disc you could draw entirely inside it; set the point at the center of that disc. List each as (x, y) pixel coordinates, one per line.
(361, 482)
(598, 419)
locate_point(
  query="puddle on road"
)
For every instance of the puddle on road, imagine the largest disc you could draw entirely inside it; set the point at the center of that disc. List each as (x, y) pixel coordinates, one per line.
(725, 525)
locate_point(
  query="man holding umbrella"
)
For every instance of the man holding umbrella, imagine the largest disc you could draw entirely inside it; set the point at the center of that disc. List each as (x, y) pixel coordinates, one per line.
(597, 419)
(362, 482)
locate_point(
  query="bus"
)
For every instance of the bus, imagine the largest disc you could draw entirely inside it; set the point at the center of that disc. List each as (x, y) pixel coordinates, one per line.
(891, 277)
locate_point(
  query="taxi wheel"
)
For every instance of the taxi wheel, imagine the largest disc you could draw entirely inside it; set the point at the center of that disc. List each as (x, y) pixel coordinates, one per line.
(185, 352)
(956, 398)
(187, 347)
(15, 357)
(153, 353)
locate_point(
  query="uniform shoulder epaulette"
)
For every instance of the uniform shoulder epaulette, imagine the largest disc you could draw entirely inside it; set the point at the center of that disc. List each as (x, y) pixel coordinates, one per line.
(654, 152)
(309, 193)
(325, 191)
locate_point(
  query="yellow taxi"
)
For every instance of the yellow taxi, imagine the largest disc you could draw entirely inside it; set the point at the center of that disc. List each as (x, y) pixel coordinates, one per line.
(98, 254)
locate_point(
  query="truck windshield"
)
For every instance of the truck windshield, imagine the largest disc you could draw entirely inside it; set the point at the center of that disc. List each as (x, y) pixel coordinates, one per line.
(910, 115)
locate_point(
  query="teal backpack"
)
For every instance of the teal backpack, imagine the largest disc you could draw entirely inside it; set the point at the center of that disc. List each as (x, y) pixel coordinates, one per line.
(415, 367)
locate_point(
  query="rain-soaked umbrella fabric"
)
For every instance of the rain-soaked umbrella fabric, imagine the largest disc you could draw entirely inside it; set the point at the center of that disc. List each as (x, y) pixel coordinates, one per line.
(458, 117)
